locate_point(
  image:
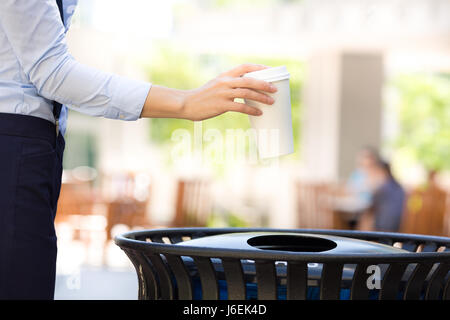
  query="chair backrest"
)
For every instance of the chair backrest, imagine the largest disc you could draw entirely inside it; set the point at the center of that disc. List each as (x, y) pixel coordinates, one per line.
(425, 212)
(130, 212)
(193, 203)
(447, 216)
(313, 207)
(74, 199)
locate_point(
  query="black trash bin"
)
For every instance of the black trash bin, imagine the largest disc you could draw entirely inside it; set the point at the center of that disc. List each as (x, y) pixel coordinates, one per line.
(211, 264)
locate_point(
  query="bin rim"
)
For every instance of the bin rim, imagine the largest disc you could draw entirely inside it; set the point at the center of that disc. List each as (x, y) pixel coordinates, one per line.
(130, 241)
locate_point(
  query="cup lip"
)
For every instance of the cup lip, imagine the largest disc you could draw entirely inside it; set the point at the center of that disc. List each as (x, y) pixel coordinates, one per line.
(270, 74)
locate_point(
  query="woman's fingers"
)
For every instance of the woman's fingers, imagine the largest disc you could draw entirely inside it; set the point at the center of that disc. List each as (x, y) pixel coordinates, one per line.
(243, 69)
(252, 95)
(254, 84)
(243, 108)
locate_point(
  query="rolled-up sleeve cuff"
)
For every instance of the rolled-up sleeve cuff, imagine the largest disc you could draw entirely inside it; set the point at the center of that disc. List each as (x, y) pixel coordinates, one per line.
(128, 99)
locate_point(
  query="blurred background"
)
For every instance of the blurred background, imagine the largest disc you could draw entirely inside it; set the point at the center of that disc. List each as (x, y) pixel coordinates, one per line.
(370, 91)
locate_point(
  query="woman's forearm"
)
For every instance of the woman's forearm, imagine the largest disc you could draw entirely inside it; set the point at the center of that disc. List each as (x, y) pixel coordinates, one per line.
(164, 102)
(214, 98)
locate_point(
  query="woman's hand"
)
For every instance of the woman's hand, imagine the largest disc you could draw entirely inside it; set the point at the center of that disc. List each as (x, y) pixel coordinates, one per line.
(218, 95)
(212, 99)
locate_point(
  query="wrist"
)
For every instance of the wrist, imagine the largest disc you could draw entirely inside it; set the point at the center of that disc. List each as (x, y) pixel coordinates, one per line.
(164, 102)
(183, 100)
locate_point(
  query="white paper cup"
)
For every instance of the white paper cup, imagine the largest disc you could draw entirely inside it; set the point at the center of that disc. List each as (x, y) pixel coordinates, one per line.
(274, 133)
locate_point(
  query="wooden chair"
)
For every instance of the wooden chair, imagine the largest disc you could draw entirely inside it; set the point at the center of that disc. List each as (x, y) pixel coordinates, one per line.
(76, 198)
(122, 206)
(426, 212)
(75, 206)
(193, 203)
(447, 217)
(129, 212)
(313, 206)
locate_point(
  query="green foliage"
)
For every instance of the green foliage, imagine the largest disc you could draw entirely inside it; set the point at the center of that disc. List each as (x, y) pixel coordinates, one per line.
(235, 221)
(179, 69)
(229, 220)
(423, 110)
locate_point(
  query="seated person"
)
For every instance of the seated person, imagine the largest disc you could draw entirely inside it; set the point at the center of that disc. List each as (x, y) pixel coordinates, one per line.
(358, 184)
(352, 202)
(388, 199)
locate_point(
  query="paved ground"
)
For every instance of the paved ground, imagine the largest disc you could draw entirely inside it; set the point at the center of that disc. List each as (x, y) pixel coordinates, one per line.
(91, 283)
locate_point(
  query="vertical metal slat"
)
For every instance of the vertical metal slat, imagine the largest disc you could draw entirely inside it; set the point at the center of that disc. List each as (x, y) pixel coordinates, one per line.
(208, 278)
(156, 238)
(297, 280)
(436, 280)
(330, 283)
(142, 288)
(235, 279)
(391, 281)
(149, 278)
(266, 278)
(446, 293)
(360, 289)
(164, 277)
(410, 246)
(184, 281)
(429, 247)
(175, 238)
(416, 281)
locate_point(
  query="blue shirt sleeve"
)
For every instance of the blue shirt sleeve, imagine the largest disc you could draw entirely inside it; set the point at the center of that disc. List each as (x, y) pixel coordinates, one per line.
(37, 36)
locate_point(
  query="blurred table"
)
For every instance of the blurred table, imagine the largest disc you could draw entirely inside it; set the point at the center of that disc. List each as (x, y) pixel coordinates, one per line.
(348, 211)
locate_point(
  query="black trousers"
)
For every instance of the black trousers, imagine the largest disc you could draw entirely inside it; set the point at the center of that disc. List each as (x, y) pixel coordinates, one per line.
(30, 182)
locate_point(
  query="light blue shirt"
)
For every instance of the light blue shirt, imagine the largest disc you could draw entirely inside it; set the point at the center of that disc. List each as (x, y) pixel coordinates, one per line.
(358, 184)
(36, 68)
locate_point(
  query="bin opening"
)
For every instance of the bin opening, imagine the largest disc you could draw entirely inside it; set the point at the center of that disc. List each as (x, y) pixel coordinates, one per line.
(291, 243)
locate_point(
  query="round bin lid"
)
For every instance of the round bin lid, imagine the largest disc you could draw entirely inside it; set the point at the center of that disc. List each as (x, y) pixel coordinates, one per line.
(291, 242)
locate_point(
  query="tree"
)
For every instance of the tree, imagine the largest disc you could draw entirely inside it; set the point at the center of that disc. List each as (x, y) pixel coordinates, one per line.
(423, 110)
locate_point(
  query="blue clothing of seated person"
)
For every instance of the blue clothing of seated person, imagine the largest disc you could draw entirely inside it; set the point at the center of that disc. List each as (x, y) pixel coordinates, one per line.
(388, 203)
